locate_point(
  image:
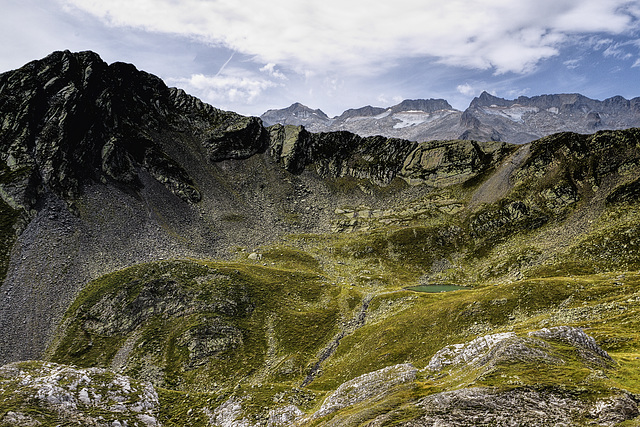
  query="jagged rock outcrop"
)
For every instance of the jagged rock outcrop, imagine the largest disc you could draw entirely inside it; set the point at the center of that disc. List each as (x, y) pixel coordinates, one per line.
(338, 154)
(47, 393)
(478, 406)
(366, 387)
(443, 163)
(525, 119)
(69, 118)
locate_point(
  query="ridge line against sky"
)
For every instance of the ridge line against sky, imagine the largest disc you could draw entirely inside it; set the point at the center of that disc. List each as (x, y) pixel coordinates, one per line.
(256, 55)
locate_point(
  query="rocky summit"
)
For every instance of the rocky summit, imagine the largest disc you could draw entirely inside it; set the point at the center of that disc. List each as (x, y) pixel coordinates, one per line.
(488, 118)
(167, 263)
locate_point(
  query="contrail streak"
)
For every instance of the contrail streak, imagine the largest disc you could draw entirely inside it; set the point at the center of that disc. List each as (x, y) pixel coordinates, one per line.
(225, 64)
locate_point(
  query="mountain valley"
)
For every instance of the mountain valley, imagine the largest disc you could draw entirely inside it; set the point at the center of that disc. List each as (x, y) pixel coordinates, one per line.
(168, 263)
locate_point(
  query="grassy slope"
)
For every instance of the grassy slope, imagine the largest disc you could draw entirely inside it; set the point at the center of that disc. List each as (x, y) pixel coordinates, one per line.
(555, 251)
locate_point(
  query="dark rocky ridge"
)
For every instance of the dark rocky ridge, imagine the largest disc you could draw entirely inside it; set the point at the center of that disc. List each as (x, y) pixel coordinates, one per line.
(488, 118)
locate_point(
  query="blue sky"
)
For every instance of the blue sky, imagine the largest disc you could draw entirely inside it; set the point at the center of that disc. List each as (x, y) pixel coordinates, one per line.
(252, 55)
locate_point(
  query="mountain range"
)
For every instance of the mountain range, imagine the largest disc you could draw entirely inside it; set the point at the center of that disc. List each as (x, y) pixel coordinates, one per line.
(487, 118)
(164, 262)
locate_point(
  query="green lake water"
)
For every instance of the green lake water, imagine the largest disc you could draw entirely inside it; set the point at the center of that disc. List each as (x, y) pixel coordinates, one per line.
(437, 288)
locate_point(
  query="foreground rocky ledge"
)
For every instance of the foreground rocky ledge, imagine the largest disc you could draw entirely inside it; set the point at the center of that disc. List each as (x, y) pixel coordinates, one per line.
(40, 393)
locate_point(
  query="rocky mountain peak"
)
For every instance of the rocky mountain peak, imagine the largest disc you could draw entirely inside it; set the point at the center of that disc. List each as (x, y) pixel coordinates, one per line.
(71, 118)
(296, 114)
(426, 105)
(367, 111)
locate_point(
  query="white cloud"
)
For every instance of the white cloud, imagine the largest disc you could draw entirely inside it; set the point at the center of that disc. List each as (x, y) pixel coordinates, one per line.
(270, 69)
(515, 93)
(466, 89)
(363, 37)
(232, 86)
(636, 64)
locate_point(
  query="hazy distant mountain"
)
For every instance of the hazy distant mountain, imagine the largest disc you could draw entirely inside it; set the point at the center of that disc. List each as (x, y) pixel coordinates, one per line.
(487, 118)
(297, 114)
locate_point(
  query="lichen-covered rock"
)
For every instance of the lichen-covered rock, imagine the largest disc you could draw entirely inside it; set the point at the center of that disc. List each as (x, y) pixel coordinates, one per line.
(367, 386)
(507, 347)
(483, 406)
(41, 393)
(586, 345)
(231, 414)
(470, 352)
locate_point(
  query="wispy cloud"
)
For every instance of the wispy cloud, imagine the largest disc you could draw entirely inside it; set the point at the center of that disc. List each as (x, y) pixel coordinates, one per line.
(617, 50)
(572, 63)
(503, 36)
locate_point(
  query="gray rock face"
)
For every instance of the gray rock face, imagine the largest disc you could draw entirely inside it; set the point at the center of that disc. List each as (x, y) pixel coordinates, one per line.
(442, 163)
(523, 406)
(366, 387)
(71, 118)
(90, 396)
(488, 118)
(338, 154)
(576, 337)
(470, 352)
(490, 350)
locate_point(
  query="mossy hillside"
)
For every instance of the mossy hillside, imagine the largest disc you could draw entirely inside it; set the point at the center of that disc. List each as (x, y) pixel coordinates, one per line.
(203, 326)
(557, 202)
(411, 327)
(398, 330)
(393, 406)
(403, 326)
(571, 375)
